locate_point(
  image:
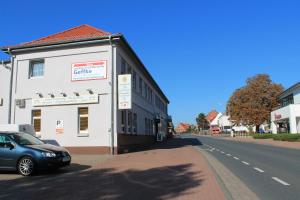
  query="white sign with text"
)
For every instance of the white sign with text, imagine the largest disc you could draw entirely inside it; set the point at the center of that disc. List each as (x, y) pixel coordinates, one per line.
(124, 91)
(95, 70)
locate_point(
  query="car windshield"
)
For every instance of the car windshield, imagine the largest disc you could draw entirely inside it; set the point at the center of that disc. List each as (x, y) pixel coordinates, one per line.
(25, 139)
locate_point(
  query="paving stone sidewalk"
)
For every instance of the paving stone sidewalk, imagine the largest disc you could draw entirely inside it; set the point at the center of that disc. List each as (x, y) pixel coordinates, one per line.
(171, 170)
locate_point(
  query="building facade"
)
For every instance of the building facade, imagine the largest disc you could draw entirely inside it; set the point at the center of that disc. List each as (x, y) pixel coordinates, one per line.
(5, 69)
(286, 118)
(66, 85)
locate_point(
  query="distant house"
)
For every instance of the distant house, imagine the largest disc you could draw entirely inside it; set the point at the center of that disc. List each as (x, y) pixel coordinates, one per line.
(182, 127)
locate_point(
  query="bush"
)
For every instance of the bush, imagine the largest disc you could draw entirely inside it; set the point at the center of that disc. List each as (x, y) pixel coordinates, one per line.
(263, 136)
(287, 137)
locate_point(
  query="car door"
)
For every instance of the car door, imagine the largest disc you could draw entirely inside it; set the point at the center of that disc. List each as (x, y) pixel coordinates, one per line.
(8, 155)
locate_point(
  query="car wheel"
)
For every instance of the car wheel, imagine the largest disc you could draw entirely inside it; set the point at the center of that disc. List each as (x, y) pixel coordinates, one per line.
(26, 166)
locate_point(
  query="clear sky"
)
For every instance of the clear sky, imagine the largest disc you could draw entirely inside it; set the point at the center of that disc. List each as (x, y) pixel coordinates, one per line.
(199, 52)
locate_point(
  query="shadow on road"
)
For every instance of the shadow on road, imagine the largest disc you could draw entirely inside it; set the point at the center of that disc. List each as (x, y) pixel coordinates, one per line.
(155, 183)
(172, 143)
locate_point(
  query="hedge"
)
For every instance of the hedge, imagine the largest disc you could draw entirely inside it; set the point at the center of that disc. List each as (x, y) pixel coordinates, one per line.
(287, 137)
(262, 136)
(279, 137)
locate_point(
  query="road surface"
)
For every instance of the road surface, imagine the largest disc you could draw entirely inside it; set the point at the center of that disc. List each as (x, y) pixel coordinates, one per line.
(270, 172)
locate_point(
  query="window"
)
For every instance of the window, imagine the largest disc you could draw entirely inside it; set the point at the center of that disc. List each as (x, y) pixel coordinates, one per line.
(151, 96)
(145, 90)
(36, 121)
(3, 141)
(129, 121)
(151, 127)
(134, 80)
(287, 100)
(83, 120)
(123, 66)
(134, 123)
(141, 85)
(36, 69)
(146, 126)
(123, 121)
(128, 69)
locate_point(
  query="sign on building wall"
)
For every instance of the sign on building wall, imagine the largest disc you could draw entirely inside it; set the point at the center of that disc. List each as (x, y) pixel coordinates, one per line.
(124, 91)
(89, 70)
(59, 126)
(65, 100)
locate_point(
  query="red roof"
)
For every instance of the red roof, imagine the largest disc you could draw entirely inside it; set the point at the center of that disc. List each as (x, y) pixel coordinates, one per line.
(76, 33)
(211, 115)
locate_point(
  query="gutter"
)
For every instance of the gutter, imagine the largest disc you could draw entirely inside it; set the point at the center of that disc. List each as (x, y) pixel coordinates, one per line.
(10, 85)
(112, 130)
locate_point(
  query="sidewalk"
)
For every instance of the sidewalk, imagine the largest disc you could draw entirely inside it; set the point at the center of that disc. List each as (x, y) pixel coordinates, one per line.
(172, 170)
(286, 144)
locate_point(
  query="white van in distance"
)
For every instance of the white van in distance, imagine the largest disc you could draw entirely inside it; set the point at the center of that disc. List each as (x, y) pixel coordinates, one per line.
(25, 128)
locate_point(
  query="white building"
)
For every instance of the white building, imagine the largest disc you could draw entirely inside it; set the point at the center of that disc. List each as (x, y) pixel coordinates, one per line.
(287, 117)
(66, 85)
(224, 123)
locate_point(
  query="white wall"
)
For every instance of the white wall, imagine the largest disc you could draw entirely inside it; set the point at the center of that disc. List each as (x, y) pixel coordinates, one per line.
(4, 92)
(140, 105)
(57, 79)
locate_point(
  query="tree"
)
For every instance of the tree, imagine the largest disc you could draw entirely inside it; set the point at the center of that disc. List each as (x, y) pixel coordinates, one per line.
(253, 103)
(202, 122)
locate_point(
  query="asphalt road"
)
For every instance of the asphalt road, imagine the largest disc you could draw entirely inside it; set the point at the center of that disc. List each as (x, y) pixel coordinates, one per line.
(270, 172)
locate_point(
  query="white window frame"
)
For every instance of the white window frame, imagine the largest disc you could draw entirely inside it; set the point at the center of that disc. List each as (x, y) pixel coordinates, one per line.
(31, 64)
(33, 118)
(82, 132)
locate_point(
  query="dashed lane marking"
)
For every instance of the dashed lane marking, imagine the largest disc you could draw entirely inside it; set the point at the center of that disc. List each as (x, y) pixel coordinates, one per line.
(228, 154)
(280, 181)
(245, 163)
(259, 170)
(236, 158)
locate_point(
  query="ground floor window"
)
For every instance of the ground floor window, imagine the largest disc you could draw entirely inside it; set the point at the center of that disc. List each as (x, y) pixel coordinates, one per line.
(134, 123)
(129, 121)
(123, 121)
(83, 120)
(36, 121)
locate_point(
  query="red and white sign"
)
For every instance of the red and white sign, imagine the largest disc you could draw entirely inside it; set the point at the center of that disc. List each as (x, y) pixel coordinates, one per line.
(94, 70)
(59, 127)
(277, 116)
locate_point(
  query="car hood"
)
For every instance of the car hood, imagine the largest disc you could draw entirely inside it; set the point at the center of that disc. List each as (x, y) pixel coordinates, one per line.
(48, 147)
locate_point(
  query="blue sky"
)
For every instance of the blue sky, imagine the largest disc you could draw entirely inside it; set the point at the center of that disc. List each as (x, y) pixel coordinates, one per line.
(199, 52)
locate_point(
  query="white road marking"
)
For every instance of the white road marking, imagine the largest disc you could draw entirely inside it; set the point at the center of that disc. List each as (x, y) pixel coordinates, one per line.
(222, 151)
(236, 158)
(260, 170)
(280, 181)
(228, 154)
(245, 163)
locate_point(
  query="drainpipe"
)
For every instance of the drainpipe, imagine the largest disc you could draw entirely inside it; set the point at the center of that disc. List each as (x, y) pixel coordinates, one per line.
(10, 85)
(112, 149)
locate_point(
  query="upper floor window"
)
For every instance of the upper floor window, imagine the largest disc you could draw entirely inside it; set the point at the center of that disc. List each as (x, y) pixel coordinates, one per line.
(141, 85)
(134, 80)
(36, 68)
(123, 66)
(287, 100)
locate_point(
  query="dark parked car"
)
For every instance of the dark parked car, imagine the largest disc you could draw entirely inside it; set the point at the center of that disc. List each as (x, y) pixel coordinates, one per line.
(27, 154)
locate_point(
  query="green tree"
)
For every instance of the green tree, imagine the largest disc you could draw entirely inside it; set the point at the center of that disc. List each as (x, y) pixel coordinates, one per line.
(202, 122)
(253, 103)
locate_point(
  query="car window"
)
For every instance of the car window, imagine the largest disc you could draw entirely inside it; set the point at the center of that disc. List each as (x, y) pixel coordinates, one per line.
(25, 139)
(3, 141)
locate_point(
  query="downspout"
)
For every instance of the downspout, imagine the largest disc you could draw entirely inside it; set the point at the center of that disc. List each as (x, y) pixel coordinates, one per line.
(112, 149)
(10, 85)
